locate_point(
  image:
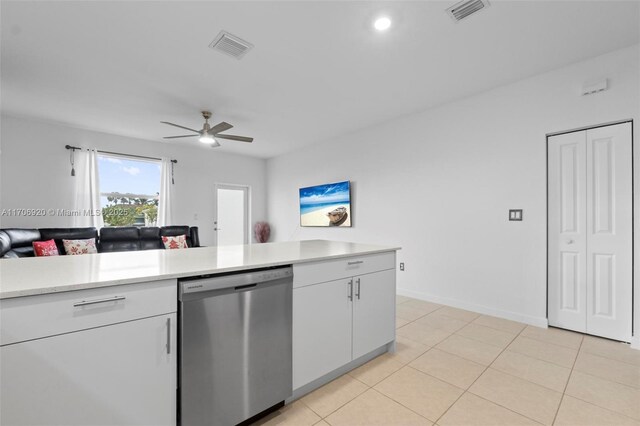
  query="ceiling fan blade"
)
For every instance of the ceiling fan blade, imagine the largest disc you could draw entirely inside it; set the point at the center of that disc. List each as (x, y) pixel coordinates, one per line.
(235, 138)
(183, 136)
(182, 127)
(220, 127)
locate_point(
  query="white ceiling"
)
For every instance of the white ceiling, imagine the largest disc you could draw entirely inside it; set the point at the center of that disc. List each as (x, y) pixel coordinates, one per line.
(317, 70)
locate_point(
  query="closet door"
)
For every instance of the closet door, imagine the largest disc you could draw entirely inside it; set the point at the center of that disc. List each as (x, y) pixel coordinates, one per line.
(590, 231)
(609, 231)
(567, 228)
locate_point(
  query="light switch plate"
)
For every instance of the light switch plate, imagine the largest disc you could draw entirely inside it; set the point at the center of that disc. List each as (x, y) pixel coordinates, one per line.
(515, 214)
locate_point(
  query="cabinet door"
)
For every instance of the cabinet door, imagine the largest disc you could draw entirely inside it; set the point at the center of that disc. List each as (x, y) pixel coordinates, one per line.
(374, 311)
(321, 330)
(117, 374)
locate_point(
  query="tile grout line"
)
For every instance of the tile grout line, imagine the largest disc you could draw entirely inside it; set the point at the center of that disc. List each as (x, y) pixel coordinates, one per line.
(571, 369)
(372, 387)
(482, 341)
(342, 405)
(464, 391)
(403, 366)
(406, 365)
(480, 375)
(506, 349)
(473, 321)
(548, 343)
(568, 379)
(586, 373)
(537, 340)
(604, 408)
(401, 404)
(610, 358)
(633, 388)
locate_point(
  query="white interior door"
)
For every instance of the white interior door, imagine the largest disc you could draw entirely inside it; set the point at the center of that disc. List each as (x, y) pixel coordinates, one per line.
(590, 231)
(609, 232)
(567, 228)
(232, 215)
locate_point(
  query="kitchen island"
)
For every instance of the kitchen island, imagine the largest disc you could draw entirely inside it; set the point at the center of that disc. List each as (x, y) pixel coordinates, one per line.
(92, 339)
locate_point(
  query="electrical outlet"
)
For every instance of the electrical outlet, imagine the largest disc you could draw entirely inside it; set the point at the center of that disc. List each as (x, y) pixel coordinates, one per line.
(402, 266)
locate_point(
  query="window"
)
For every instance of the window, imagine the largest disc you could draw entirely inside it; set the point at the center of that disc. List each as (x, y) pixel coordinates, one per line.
(129, 190)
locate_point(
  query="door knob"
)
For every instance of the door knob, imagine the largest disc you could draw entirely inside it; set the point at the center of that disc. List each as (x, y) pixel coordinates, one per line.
(570, 241)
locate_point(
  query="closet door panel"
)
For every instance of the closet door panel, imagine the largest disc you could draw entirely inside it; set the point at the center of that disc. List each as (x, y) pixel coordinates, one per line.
(566, 231)
(609, 231)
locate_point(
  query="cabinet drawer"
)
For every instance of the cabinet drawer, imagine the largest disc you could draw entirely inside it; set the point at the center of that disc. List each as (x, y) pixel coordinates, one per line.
(330, 270)
(32, 317)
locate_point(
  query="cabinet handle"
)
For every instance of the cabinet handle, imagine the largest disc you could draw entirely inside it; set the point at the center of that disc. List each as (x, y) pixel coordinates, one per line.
(355, 262)
(168, 335)
(350, 291)
(358, 288)
(93, 302)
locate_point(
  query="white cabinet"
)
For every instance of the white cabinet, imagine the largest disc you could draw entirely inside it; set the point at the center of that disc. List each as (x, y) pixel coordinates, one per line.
(88, 371)
(321, 330)
(336, 321)
(374, 311)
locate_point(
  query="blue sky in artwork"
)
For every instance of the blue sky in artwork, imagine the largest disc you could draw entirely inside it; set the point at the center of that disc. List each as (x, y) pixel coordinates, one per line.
(325, 194)
(128, 176)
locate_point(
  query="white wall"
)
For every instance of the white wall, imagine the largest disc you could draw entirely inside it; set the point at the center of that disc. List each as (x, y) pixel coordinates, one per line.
(35, 173)
(439, 184)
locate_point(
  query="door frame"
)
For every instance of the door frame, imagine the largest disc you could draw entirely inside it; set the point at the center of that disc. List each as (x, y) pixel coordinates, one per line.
(247, 208)
(634, 334)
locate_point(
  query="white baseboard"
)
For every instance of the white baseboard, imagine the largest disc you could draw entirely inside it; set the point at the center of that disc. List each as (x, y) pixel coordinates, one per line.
(635, 342)
(513, 316)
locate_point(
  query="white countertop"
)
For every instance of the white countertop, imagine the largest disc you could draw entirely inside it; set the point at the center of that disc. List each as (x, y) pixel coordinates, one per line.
(32, 276)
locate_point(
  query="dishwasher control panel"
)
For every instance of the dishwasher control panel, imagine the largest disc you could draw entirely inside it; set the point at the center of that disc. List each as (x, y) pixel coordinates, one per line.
(240, 279)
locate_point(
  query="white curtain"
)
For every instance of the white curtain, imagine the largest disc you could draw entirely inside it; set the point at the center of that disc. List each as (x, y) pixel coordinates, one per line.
(165, 204)
(87, 207)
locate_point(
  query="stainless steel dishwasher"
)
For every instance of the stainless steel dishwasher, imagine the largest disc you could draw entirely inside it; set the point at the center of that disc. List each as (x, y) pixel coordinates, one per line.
(235, 345)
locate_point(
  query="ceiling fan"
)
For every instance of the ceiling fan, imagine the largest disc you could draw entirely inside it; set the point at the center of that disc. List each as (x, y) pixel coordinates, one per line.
(209, 134)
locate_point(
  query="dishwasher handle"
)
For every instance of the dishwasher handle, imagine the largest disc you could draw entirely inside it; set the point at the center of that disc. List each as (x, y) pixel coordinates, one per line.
(244, 287)
(237, 281)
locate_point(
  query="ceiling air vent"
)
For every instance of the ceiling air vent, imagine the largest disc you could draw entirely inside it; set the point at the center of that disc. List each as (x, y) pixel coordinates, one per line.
(231, 45)
(466, 8)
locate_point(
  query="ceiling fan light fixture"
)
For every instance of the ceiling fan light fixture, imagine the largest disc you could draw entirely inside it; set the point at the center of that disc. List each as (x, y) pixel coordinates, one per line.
(208, 134)
(382, 23)
(206, 138)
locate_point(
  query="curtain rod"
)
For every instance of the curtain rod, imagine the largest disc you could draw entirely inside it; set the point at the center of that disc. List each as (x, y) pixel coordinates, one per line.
(119, 153)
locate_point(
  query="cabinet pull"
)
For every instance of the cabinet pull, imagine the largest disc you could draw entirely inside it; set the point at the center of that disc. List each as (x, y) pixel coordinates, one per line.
(355, 262)
(93, 302)
(350, 290)
(168, 335)
(358, 288)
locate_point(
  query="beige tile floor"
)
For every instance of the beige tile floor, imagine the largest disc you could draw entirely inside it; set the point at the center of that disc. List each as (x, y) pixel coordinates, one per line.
(455, 367)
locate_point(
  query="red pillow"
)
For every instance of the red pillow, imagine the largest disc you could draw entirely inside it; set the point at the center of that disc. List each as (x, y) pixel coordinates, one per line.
(45, 248)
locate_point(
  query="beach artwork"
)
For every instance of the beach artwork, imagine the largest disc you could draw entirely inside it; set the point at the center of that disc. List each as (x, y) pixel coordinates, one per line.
(325, 205)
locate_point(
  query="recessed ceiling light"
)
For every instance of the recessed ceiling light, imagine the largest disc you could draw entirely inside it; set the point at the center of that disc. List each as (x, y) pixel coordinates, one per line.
(383, 23)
